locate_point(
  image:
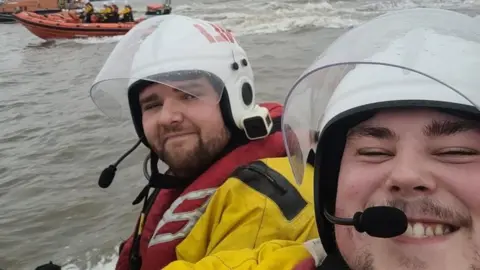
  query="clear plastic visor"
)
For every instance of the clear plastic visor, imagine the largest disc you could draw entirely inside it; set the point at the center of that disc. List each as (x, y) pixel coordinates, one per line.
(416, 54)
(111, 96)
(133, 62)
(328, 91)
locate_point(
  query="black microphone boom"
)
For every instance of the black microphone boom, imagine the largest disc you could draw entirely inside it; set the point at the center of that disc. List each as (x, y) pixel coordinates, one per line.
(106, 178)
(378, 221)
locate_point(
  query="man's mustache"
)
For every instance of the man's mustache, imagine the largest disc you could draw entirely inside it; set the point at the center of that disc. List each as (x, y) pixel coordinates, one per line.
(176, 128)
(171, 130)
(163, 132)
(432, 208)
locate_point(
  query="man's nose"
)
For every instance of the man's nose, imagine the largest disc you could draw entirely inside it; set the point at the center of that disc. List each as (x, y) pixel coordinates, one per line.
(170, 113)
(409, 177)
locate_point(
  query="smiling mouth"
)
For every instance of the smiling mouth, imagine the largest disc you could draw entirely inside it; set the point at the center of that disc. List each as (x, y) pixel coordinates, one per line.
(417, 229)
(176, 138)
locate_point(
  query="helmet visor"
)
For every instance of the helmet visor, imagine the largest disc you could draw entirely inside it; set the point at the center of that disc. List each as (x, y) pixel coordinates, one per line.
(111, 96)
(408, 56)
(130, 68)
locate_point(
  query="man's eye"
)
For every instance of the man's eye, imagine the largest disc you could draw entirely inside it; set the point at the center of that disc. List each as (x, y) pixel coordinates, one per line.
(149, 106)
(373, 153)
(188, 96)
(457, 152)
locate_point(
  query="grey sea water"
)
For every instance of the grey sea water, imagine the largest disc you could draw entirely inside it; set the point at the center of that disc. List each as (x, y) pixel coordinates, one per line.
(54, 142)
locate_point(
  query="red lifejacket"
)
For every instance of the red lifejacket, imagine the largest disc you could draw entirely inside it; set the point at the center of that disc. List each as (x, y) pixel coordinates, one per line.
(170, 232)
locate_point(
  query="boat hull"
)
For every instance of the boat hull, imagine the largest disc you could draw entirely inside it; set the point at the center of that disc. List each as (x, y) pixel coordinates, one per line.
(48, 27)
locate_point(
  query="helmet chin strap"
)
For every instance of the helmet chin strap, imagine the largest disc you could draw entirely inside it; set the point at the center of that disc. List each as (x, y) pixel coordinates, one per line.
(157, 181)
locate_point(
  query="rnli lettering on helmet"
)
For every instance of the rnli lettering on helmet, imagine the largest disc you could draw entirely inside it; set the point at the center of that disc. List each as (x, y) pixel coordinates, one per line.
(222, 35)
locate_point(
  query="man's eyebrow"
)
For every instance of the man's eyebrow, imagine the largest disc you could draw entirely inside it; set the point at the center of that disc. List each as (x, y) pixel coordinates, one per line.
(450, 127)
(188, 84)
(382, 133)
(148, 98)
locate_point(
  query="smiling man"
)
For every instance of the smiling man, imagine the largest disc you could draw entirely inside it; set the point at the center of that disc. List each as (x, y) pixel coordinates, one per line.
(188, 87)
(398, 128)
(424, 162)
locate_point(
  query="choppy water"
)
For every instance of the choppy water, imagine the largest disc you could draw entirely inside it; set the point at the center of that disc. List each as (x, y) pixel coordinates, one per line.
(54, 143)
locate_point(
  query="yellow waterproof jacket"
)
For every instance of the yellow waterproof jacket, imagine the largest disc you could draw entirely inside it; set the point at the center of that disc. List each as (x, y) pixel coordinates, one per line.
(106, 10)
(124, 11)
(247, 225)
(272, 255)
(88, 9)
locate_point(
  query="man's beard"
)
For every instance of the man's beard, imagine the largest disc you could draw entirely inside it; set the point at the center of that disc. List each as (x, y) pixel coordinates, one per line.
(365, 261)
(192, 161)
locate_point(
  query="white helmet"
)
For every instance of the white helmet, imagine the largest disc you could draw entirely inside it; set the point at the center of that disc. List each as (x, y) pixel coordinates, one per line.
(409, 58)
(172, 48)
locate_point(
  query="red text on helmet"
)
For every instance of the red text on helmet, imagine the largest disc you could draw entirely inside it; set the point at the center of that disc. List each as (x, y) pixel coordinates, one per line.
(223, 35)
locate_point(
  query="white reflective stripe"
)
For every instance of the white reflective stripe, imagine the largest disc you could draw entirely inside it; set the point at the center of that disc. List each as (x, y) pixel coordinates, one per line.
(315, 248)
(191, 216)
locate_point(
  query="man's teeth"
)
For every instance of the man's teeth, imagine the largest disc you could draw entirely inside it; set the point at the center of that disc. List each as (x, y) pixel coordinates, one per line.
(422, 230)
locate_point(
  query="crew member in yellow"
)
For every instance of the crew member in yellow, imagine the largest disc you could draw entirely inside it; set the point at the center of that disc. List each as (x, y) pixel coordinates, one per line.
(126, 14)
(88, 11)
(229, 185)
(106, 13)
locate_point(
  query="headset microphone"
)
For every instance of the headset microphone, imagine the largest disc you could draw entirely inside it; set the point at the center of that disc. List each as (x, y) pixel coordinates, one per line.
(106, 178)
(378, 221)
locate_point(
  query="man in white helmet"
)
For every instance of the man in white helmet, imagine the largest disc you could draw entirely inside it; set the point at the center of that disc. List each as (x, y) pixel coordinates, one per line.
(396, 130)
(188, 86)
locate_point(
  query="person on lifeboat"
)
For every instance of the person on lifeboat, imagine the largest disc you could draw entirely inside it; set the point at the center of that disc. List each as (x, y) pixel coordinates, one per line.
(87, 13)
(126, 14)
(106, 12)
(114, 16)
(189, 88)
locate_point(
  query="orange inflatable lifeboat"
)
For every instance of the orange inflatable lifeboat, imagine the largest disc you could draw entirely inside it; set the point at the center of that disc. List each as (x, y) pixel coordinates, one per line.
(9, 7)
(158, 9)
(67, 25)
